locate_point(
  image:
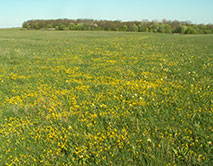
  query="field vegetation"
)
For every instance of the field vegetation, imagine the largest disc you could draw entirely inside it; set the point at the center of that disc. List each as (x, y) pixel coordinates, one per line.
(105, 98)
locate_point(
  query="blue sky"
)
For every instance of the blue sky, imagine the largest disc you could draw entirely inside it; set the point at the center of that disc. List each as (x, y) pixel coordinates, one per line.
(14, 12)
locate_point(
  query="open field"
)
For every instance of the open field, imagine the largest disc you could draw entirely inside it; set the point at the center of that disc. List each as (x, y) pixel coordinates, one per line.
(105, 98)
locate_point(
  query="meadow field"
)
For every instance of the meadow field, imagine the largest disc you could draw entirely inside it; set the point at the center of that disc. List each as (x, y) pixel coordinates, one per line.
(105, 98)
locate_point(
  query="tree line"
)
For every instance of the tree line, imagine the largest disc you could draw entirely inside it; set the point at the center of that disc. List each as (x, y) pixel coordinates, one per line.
(164, 26)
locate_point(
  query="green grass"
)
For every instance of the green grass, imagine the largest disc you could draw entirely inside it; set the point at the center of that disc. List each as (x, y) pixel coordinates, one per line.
(105, 98)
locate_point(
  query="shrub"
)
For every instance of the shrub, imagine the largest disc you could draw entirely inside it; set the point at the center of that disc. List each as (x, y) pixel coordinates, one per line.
(133, 28)
(181, 29)
(154, 27)
(165, 28)
(142, 28)
(190, 30)
(60, 27)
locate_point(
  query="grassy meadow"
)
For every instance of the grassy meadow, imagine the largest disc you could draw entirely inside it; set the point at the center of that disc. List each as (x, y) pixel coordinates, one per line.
(105, 98)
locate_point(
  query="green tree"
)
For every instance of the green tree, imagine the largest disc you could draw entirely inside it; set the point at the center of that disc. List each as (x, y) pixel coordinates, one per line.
(181, 29)
(165, 28)
(49, 25)
(190, 30)
(143, 28)
(154, 27)
(124, 28)
(133, 28)
(80, 26)
(37, 26)
(72, 26)
(60, 27)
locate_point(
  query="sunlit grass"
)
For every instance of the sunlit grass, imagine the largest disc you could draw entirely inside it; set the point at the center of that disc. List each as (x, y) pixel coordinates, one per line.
(105, 98)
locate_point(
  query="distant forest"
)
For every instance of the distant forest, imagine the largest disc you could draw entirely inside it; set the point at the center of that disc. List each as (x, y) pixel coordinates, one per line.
(164, 26)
